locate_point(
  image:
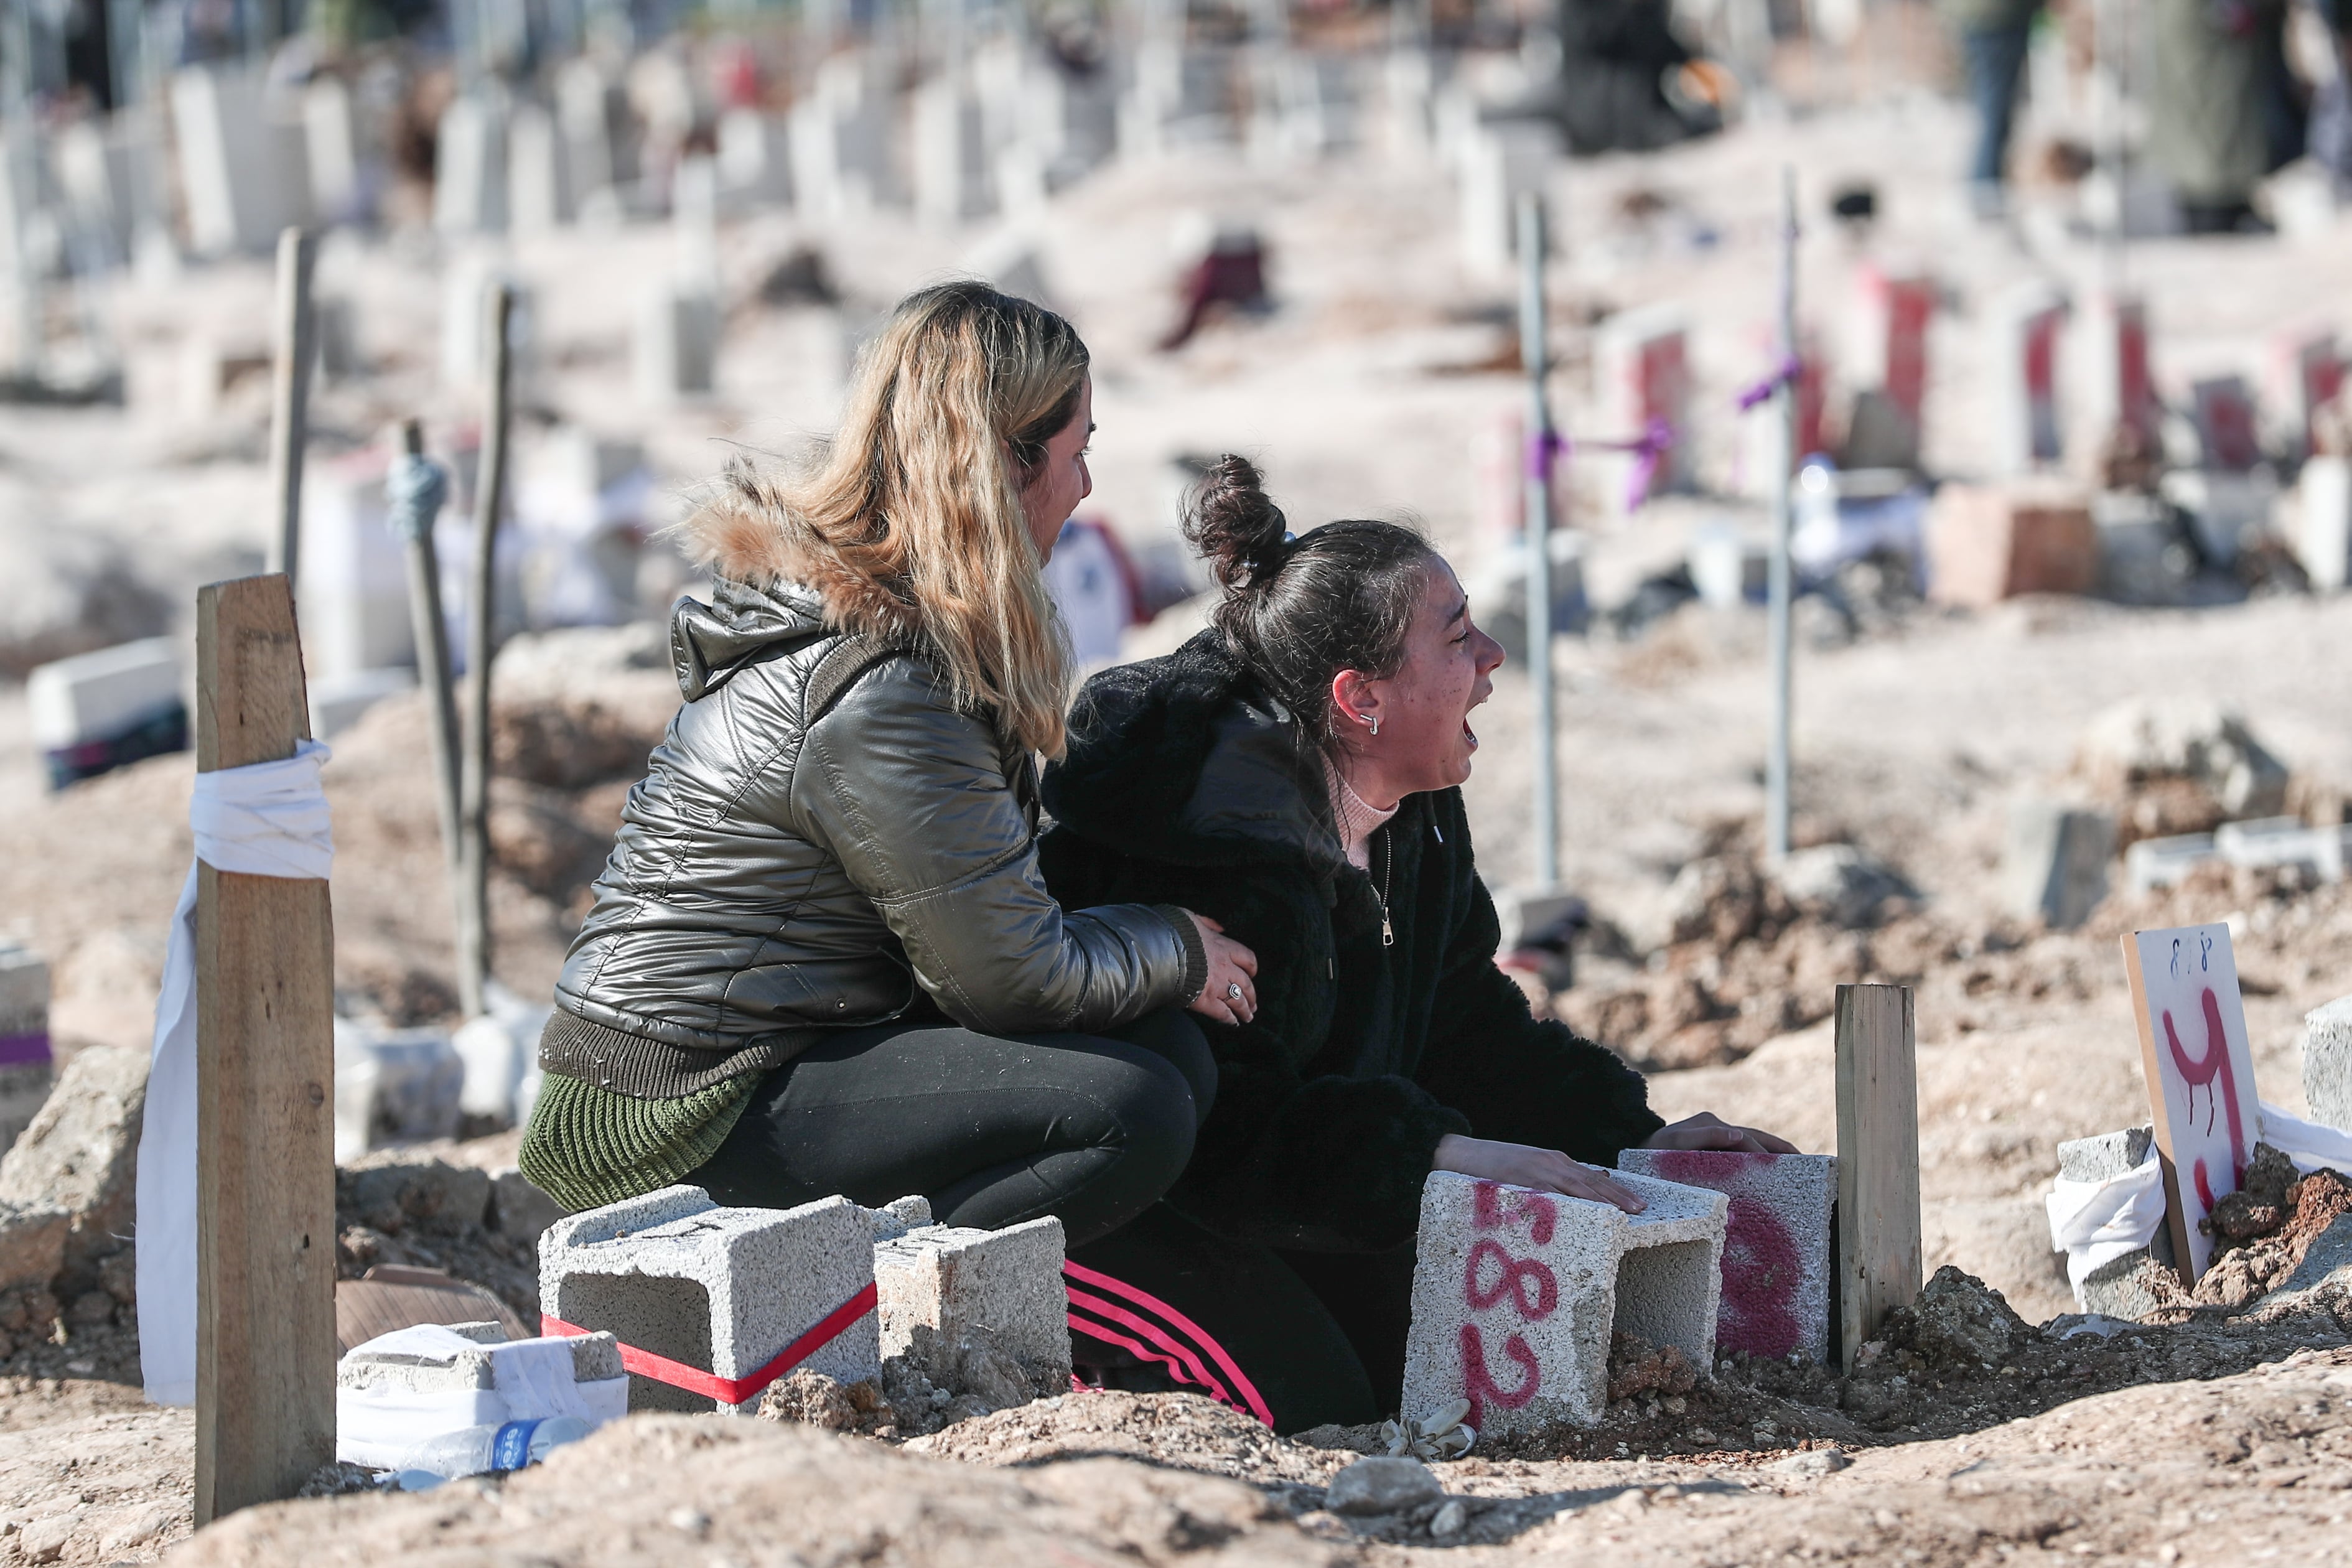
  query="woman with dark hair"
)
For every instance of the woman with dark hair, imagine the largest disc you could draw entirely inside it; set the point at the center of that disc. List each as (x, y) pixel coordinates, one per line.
(1294, 771)
(820, 958)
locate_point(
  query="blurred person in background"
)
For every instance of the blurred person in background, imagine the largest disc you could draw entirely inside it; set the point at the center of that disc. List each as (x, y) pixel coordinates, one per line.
(2227, 108)
(1994, 37)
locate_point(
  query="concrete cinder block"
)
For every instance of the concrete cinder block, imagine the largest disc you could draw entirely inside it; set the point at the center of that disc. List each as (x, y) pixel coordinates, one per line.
(2113, 1288)
(999, 1287)
(1515, 1295)
(2053, 864)
(721, 1290)
(98, 711)
(2327, 1063)
(1987, 543)
(1776, 1243)
(2275, 842)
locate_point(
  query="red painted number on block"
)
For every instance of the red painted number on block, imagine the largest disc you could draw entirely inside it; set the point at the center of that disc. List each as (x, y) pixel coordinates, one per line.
(1478, 1385)
(1513, 1282)
(1534, 1207)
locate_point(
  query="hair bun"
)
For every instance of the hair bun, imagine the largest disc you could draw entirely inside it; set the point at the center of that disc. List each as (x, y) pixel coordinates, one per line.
(1230, 519)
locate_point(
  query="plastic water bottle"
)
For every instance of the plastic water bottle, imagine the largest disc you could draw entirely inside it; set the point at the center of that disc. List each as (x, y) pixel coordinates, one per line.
(478, 1450)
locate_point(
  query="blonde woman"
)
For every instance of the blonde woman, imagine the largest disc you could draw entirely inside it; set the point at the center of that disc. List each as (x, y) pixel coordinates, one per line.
(820, 958)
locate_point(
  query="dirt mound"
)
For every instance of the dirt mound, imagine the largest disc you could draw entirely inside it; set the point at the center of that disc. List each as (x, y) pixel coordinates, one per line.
(1182, 1431)
(395, 1208)
(666, 1490)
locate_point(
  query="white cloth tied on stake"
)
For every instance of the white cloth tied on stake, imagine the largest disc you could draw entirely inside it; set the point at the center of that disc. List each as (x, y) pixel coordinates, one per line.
(269, 819)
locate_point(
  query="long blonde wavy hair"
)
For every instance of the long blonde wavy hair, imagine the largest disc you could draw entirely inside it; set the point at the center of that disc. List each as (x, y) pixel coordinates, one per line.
(908, 521)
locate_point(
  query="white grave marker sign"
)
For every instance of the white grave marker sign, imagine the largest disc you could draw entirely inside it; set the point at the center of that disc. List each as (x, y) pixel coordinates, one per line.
(2200, 1072)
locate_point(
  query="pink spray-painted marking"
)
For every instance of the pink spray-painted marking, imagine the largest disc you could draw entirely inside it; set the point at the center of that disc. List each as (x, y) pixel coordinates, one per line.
(1762, 1265)
(1493, 1208)
(2220, 1080)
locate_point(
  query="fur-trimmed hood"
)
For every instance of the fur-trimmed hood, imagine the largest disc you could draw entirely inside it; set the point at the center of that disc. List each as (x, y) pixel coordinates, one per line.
(746, 532)
(1189, 759)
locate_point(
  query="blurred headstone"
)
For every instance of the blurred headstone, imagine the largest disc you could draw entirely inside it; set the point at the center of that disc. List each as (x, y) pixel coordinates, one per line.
(2223, 409)
(538, 192)
(98, 711)
(2028, 328)
(469, 167)
(242, 176)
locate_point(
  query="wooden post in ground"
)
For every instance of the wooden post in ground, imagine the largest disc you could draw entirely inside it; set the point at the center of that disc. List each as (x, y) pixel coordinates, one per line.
(1878, 1160)
(265, 1103)
(290, 417)
(481, 631)
(431, 633)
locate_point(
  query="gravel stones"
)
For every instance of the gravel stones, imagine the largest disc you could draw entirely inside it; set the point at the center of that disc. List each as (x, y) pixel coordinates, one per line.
(1382, 1485)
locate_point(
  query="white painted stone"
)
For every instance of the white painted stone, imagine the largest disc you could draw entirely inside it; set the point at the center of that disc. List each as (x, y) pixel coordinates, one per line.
(1498, 163)
(674, 352)
(2270, 843)
(725, 1289)
(242, 176)
(469, 168)
(337, 701)
(394, 1087)
(1776, 1243)
(1003, 1288)
(2322, 532)
(2327, 1063)
(2028, 333)
(951, 161)
(2163, 862)
(589, 111)
(754, 157)
(2113, 373)
(1643, 376)
(2053, 864)
(539, 196)
(1516, 1293)
(353, 589)
(331, 134)
(2112, 1289)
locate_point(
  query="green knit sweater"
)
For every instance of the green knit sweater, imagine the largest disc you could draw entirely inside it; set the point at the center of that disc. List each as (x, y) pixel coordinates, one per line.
(587, 1146)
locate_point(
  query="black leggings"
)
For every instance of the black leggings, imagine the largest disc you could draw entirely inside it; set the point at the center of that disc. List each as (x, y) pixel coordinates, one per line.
(993, 1129)
(1297, 1339)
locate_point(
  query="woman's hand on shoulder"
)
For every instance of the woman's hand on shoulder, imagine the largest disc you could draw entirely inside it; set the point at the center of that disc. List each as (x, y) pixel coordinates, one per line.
(1231, 995)
(1523, 1166)
(1708, 1130)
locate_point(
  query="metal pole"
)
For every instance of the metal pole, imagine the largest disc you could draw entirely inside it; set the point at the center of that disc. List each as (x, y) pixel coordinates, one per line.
(290, 420)
(489, 499)
(431, 635)
(1775, 765)
(1535, 356)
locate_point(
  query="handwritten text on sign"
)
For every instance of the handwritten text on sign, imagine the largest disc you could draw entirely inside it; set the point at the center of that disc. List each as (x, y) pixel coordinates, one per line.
(1493, 1276)
(2200, 1074)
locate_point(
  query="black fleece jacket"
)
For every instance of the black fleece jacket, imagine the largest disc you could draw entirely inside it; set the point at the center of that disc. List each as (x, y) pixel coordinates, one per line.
(1183, 785)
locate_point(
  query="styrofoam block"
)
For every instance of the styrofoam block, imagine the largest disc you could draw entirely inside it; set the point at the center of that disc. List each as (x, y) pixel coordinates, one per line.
(2053, 865)
(1515, 1294)
(724, 1289)
(400, 1389)
(1776, 1244)
(94, 696)
(2327, 1063)
(1001, 1285)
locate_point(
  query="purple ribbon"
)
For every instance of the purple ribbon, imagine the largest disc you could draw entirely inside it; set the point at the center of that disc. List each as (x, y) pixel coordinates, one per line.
(21, 1051)
(1785, 373)
(1648, 449)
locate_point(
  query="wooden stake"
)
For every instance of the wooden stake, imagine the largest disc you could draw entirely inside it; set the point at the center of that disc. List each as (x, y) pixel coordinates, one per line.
(1878, 1160)
(290, 418)
(490, 500)
(431, 633)
(264, 1106)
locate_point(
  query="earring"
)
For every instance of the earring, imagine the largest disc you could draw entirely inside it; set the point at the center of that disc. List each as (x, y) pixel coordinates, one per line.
(1375, 723)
